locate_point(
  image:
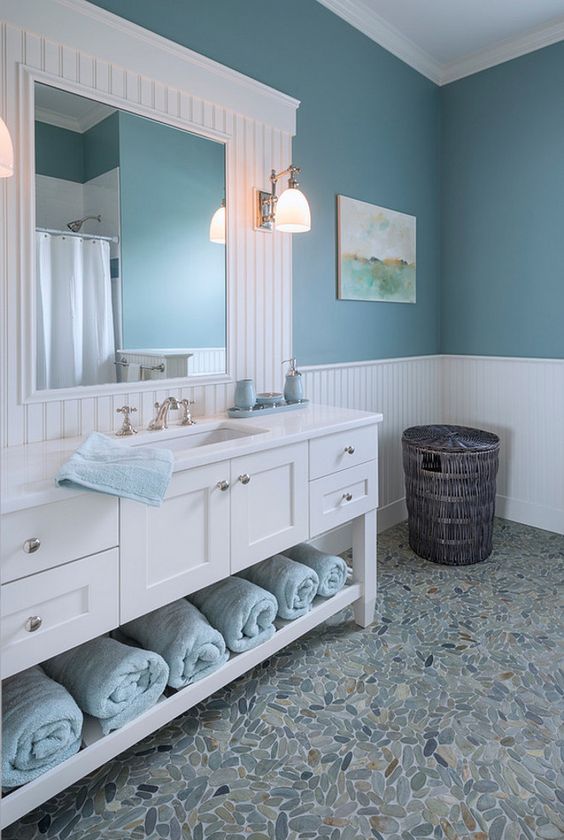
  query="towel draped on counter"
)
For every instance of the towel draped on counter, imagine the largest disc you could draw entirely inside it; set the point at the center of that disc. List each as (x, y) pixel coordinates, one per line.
(331, 569)
(293, 585)
(41, 726)
(140, 473)
(242, 612)
(109, 680)
(190, 646)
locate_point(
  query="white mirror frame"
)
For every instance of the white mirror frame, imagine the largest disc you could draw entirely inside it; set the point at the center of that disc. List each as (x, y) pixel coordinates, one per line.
(28, 205)
(84, 49)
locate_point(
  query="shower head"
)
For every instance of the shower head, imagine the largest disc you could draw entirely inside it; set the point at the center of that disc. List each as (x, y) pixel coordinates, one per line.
(77, 224)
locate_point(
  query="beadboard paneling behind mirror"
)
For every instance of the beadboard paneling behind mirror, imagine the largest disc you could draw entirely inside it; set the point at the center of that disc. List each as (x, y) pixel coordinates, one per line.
(130, 275)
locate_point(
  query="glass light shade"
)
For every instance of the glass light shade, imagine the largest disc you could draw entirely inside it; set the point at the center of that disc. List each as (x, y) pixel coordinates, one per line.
(292, 212)
(217, 226)
(6, 152)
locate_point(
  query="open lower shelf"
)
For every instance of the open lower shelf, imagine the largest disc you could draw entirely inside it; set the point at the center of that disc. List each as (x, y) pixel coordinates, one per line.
(101, 748)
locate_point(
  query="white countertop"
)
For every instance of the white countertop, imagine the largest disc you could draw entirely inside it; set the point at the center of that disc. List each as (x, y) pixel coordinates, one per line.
(28, 471)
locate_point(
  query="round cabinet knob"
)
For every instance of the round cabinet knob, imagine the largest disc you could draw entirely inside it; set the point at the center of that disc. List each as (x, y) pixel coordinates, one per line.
(349, 450)
(245, 478)
(347, 497)
(222, 485)
(32, 545)
(33, 623)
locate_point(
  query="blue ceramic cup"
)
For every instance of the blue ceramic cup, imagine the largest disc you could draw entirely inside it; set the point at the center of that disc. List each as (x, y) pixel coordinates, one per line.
(245, 396)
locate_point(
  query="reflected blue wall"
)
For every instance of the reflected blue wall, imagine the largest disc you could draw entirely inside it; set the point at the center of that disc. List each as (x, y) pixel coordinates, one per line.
(173, 277)
(71, 156)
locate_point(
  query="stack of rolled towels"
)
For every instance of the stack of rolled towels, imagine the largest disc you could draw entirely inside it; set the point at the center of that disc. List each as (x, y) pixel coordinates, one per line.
(41, 726)
(116, 678)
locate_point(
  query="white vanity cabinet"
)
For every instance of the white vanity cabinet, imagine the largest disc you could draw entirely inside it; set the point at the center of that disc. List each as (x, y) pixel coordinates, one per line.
(182, 546)
(215, 521)
(269, 503)
(60, 578)
(76, 565)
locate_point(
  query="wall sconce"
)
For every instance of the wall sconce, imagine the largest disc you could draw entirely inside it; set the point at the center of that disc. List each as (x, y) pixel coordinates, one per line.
(6, 151)
(289, 212)
(217, 225)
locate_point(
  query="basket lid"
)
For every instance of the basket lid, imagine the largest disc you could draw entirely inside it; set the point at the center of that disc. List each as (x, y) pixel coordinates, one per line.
(450, 438)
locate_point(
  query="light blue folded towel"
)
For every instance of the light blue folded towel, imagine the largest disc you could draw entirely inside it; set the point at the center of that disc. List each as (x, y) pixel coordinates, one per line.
(109, 680)
(185, 639)
(133, 472)
(293, 585)
(331, 569)
(41, 726)
(242, 612)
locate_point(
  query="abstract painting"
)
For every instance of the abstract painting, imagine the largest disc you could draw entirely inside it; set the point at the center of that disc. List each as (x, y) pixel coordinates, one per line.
(376, 253)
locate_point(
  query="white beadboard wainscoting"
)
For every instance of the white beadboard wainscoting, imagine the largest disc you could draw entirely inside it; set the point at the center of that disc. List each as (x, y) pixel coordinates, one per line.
(521, 400)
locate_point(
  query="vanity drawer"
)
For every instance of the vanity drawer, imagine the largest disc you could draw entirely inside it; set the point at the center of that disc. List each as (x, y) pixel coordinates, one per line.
(71, 604)
(66, 530)
(338, 498)
(342, 450)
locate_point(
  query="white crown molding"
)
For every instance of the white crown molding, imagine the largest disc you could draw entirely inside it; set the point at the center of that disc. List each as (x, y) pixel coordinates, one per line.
(504, 51)
(90, 24)
(95, 115)
(363, 18)
(375, 27)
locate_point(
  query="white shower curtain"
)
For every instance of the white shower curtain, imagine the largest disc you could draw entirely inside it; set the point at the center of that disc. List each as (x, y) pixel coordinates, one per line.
(75, 337)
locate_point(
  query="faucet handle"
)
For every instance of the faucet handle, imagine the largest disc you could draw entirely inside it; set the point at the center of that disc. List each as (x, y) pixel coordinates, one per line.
(127, 427)
(186, 419)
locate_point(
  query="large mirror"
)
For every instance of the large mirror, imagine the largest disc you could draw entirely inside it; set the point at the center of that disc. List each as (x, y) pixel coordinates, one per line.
(130, 246)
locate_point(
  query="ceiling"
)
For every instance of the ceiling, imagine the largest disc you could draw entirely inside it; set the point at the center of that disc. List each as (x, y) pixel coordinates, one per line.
(448, 39)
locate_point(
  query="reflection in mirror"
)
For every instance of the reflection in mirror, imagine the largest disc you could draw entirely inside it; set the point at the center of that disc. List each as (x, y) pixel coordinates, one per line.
(130, 248)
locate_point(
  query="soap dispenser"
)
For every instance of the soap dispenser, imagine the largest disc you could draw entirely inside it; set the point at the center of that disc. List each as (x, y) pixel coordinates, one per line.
(293, 387)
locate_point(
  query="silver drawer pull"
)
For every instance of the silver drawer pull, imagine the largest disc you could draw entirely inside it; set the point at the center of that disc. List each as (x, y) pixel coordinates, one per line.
(32, 545)
(349, 450)
(222, 485)
(245, 478)
(347, 497)
(33, 623)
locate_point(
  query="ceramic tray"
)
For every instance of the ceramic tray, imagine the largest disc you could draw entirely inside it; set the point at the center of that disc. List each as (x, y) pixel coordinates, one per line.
(257, 410)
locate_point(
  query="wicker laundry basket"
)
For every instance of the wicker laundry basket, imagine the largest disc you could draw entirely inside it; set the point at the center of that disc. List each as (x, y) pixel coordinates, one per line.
(450, 475)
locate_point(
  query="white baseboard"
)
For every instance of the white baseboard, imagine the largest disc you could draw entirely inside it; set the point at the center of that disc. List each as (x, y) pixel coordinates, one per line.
(391, 515)
(538, 516)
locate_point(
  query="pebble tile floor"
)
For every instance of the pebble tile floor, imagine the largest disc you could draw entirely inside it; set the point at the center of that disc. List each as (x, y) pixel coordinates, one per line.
(440, 720)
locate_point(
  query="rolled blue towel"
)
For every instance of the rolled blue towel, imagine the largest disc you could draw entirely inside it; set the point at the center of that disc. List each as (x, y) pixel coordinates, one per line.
(331, 570)
(41, 726)
(134, 472)
(293, 585)
(242, 612)
(185, 639)
(110, 681)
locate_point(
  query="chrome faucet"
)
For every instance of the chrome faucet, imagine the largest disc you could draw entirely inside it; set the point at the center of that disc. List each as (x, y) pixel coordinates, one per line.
(160, 421)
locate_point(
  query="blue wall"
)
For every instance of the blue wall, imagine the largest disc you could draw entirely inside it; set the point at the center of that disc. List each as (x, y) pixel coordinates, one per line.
(503, 209)
(173, 277)
(368, 127)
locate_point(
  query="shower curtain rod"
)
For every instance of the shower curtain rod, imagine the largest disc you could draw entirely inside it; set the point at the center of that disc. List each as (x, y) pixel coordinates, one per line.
(79, 235)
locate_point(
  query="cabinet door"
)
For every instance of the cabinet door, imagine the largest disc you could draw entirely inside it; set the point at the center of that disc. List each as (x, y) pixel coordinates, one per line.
(173, 550)
(269, 511)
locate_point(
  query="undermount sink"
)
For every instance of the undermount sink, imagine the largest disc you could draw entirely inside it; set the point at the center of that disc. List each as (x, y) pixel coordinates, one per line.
(196, 436)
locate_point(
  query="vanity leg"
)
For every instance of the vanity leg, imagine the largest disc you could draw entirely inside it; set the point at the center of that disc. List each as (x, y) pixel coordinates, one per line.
(364, 566)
